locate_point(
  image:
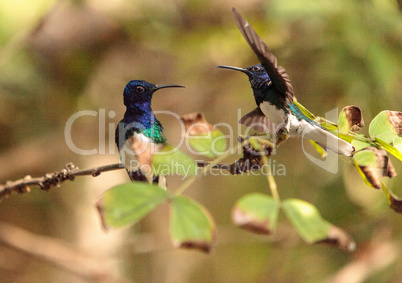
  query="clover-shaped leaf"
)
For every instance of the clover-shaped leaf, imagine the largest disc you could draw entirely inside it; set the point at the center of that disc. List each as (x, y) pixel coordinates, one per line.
(203, 137)
(256, 212)
(191, 225)
(386, 126)
(308, 222)
(129, 203)
(172, 161)
(372, 164)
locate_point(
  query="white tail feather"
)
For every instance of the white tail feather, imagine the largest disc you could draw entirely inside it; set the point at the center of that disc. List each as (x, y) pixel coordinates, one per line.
(328, 140)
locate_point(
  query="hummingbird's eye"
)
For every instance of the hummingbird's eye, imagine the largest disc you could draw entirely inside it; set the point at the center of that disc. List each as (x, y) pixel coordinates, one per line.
(256, 68)
(139, 89)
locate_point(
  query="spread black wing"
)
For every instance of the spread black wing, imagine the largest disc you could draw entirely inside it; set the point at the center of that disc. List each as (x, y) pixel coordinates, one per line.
(279, 77)
(258, 121)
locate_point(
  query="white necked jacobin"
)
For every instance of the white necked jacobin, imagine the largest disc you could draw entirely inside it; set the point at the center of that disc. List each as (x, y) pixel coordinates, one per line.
(139, 125)
(273, 94)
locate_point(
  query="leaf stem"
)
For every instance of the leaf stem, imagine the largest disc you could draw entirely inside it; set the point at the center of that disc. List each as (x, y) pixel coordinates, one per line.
(271, 180)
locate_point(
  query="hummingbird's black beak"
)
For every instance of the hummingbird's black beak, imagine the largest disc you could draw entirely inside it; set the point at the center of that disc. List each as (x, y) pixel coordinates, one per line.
(243, 70)
(165, 86)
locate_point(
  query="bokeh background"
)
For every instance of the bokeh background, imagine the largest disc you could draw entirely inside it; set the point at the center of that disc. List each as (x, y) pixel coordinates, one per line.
(60, 57)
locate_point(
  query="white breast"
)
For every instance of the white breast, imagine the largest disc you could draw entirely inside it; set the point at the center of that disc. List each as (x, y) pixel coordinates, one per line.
(127, 154)
(297, 126)
(274, 114)
(141, 138)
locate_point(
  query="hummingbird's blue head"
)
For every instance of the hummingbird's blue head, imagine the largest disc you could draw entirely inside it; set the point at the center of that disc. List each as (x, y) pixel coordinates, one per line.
(139, 92)
(257, 75)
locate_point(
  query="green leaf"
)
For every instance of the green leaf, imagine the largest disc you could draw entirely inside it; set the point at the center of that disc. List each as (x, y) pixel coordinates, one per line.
(306, 219)
(209, 144)
(391, 149)
(398, 143)
(256, 212)
(360, 143)
(202, 136)
(171, 161)
(374, 164)
(382, 128)
(366, 165)
(366, 158)
(129, 203)
(308, 222)
(191, 226)
(343, 123)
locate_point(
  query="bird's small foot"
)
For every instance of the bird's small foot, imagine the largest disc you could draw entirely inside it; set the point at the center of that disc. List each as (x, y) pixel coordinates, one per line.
(281, 138)
(282, 134)
(281, 130)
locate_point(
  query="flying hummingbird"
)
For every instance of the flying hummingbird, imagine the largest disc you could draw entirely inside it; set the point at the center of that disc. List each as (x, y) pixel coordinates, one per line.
(139, 133)
(274, 96)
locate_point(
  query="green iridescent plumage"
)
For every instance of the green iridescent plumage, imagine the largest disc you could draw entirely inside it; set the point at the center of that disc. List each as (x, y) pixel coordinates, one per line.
(300, 116)
(155, 133)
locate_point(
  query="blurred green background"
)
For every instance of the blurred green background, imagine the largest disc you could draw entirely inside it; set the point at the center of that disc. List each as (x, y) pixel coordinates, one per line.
(60, 57)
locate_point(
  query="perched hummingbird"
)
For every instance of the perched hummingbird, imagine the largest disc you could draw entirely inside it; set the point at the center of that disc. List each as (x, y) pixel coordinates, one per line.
(139, 133)
(273, 94)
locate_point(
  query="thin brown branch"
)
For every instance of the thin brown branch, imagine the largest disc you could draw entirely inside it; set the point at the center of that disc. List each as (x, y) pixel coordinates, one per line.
(249, 162)
(69, 173)
(53, 179)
